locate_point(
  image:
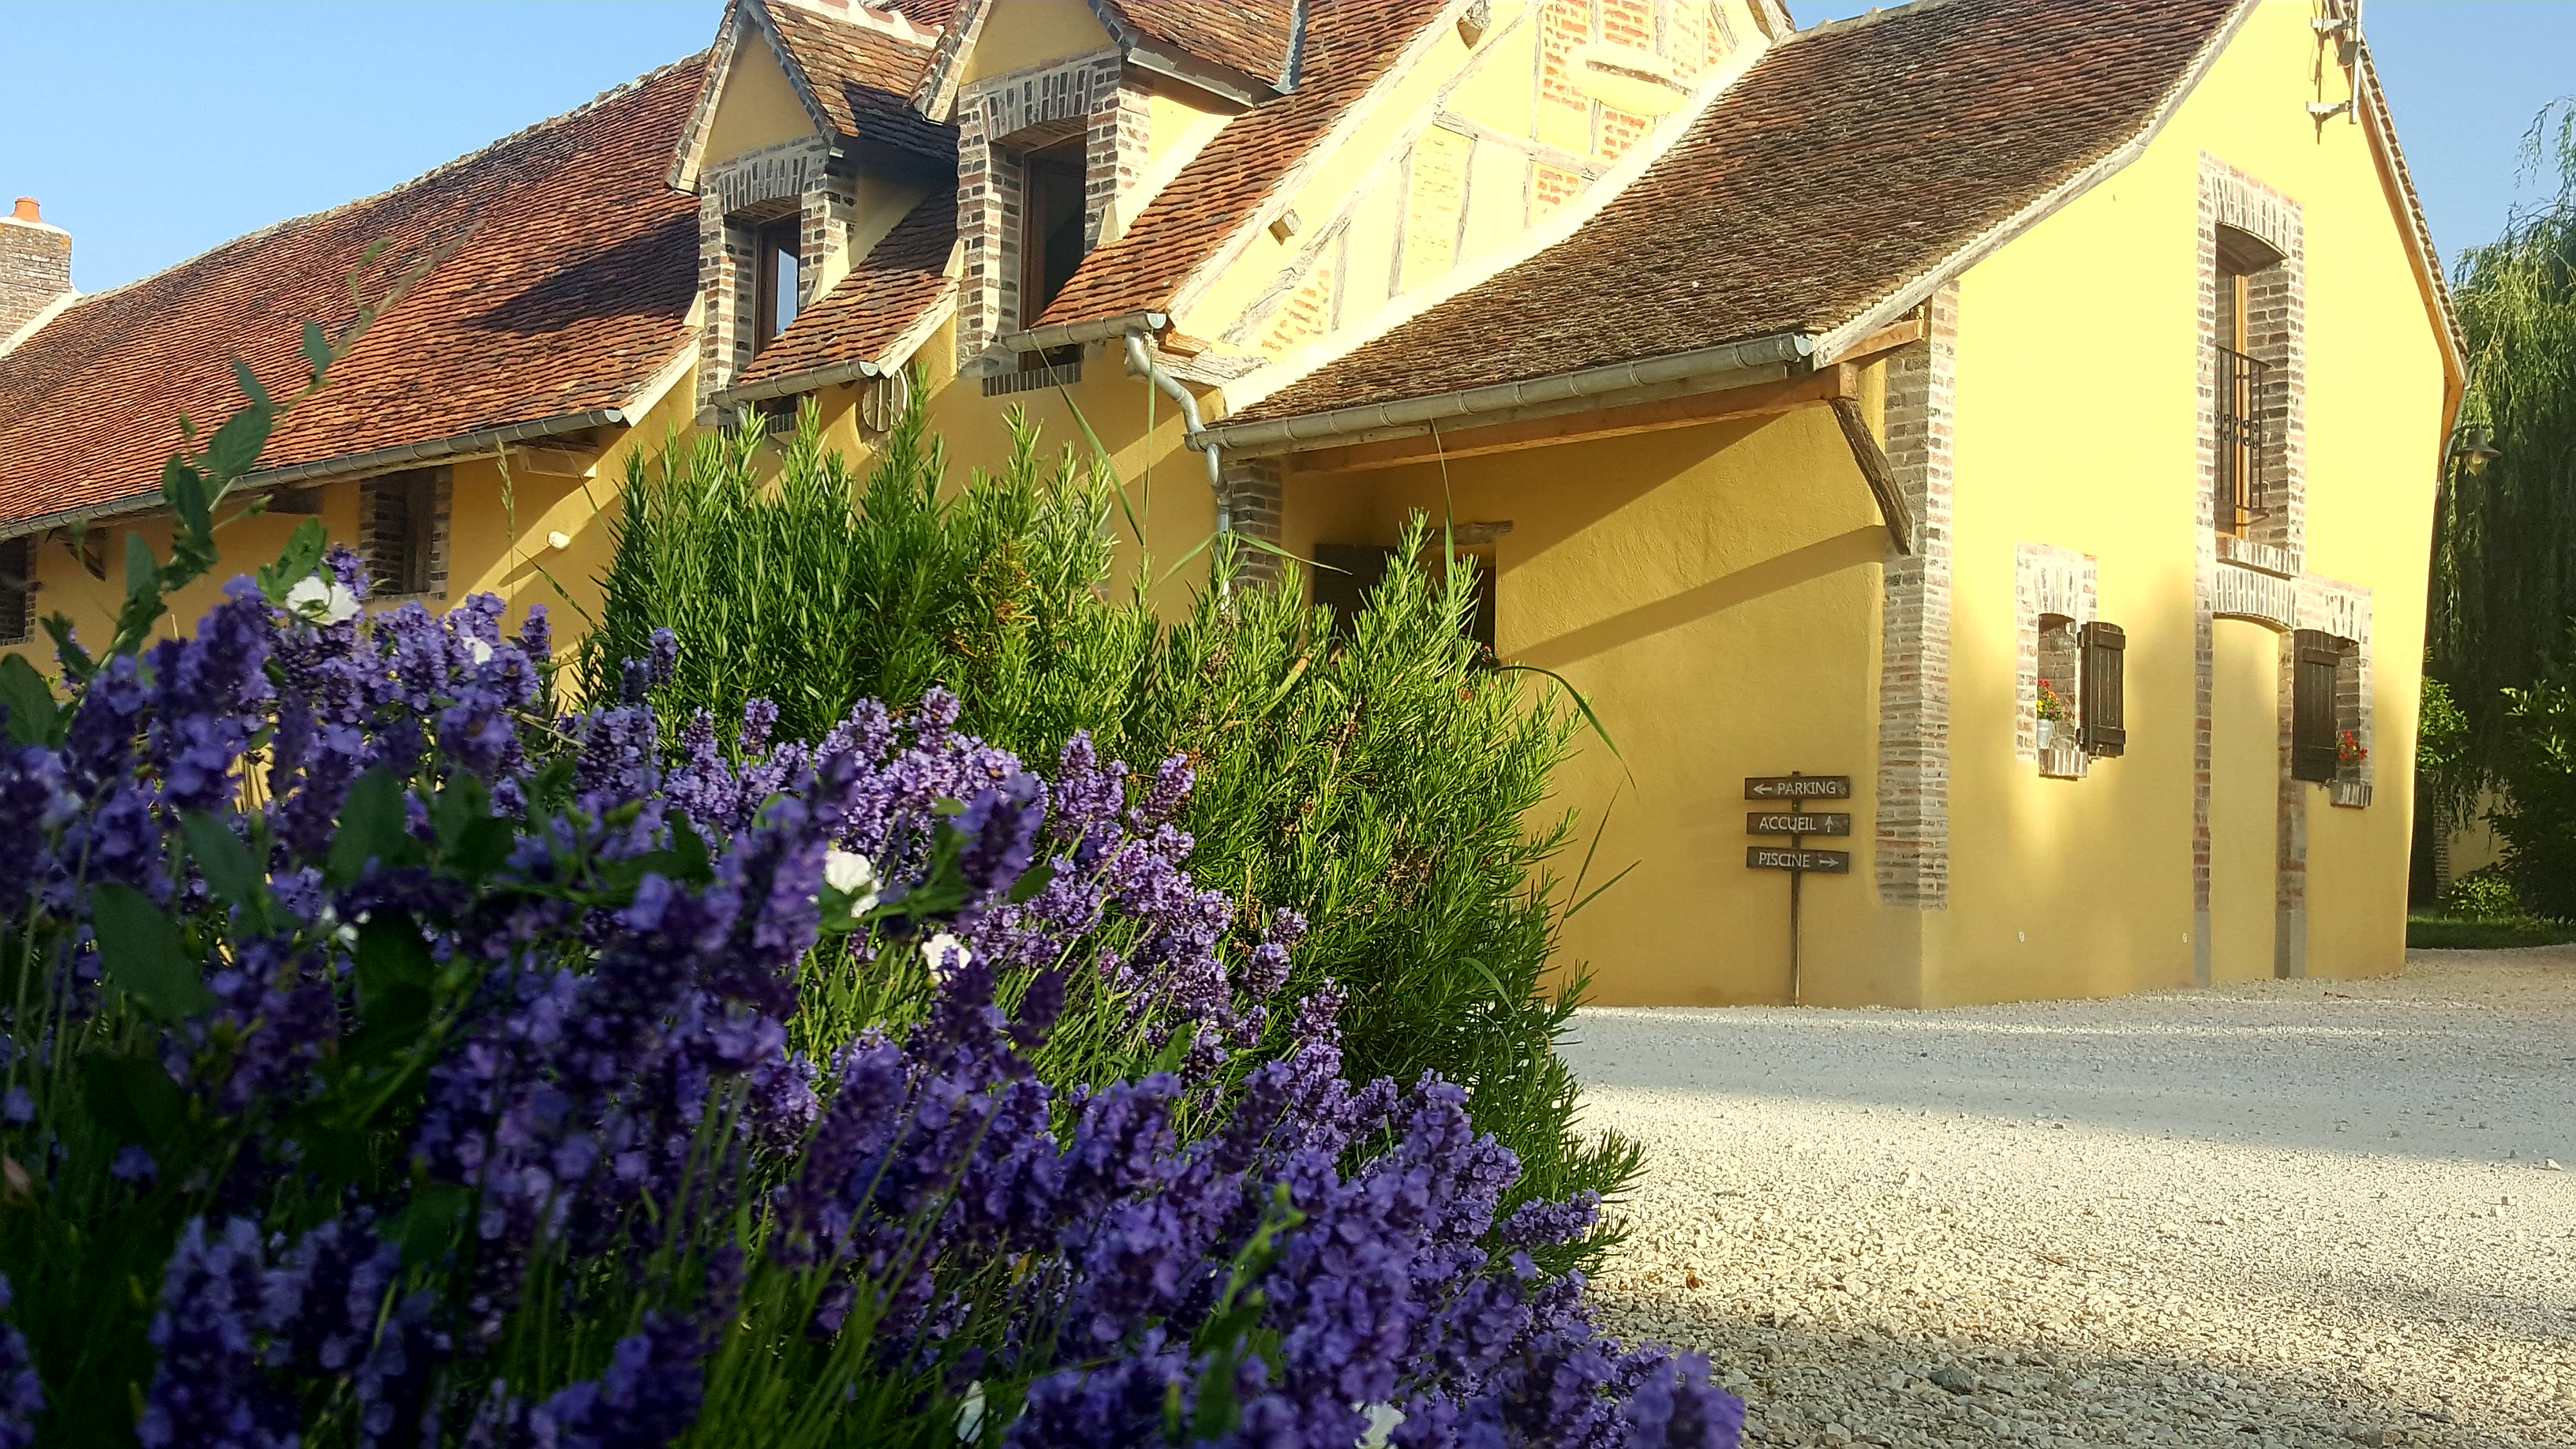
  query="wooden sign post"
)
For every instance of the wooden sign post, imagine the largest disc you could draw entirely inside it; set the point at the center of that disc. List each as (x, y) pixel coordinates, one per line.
(1794, 822)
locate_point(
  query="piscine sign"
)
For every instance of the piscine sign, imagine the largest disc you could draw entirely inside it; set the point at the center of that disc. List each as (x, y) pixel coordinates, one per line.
(1773, 857)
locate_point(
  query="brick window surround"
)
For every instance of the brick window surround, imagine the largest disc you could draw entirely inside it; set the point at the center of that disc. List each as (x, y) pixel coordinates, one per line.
(2341, 612)
(1004, 118)
(737, 202)
(403, 531)
(2056, 592)
(2250, 231)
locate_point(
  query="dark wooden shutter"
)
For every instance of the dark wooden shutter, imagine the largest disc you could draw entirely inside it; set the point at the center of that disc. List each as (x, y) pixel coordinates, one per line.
(1480, 625)
(2105, 689)
(17, 589)
(2312, 706)
(1350, 571)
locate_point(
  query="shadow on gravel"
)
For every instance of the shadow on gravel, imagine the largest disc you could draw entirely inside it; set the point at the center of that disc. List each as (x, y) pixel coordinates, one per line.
(1876, 1383)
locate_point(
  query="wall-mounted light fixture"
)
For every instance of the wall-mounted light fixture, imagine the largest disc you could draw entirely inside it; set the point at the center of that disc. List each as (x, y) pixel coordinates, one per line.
(2475, 448)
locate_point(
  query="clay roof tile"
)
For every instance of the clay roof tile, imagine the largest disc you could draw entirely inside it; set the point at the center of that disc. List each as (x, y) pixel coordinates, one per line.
(1349, 45)
(564, 271)
(1852, 160)
(899, 281)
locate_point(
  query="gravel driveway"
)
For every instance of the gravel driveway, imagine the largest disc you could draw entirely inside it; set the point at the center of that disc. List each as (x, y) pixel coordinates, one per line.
(2300, 1213)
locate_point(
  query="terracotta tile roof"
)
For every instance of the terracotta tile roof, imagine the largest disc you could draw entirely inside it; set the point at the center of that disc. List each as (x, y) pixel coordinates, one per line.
(900, 279)
(864, 78)
(570, 291)
(1848, 162)
(1349, 44)
(1255, 37)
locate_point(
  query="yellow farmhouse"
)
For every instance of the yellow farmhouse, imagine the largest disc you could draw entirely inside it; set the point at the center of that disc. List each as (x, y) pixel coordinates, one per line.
(2004, 429)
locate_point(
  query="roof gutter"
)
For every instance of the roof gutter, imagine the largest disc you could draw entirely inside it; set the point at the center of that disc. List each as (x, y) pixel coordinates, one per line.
(801, 382)
(380, 460)
(1103, 329)
(1422, 414)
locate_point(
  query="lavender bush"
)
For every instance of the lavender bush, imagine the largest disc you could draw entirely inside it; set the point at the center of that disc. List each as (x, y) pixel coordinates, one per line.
(394, 1056)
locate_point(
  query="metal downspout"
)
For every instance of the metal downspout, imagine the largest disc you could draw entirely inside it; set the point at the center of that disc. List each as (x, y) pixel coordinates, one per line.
(1195, 434)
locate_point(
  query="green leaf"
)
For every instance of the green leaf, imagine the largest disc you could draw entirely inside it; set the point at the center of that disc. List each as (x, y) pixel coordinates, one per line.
(67, 648)
(184, 489)
(33, 714)
(143, 953)
(693, 863)
(374, 825)
(250, 384)
(391, 957)
(1033, 880)
(133, 1099)
(236, 446)
(230, 869)
(317, 349)
(483, 848)
(142, 570)
(427, 1227)
(295, 562)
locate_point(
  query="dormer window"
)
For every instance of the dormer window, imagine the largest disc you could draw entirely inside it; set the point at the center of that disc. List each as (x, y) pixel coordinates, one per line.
(1051, 224)
(777, 259)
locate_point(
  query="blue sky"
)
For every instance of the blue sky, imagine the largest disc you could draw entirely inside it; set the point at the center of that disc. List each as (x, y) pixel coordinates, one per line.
(167, 128)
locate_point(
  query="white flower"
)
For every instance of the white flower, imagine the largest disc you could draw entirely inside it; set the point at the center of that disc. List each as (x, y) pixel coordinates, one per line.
(322, 601)
(852, 875)
(558, 540)
(946, 954)
(481, 651)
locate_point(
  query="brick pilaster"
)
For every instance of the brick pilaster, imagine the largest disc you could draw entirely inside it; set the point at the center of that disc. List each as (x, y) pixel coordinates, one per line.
(1913, 827)
(1253, 502)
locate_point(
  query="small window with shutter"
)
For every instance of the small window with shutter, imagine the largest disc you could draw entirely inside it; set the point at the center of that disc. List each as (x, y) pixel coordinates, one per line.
(1350, 572)
(18, 590)
(402, 532)
(2105, 648)
(2314, 715)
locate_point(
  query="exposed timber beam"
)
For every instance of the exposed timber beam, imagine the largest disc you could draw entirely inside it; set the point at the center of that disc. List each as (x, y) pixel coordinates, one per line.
(1885, 339)
(1827, 385)
(1881, 475)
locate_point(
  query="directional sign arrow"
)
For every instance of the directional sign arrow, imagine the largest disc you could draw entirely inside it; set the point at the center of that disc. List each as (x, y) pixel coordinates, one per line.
(1820, 862)
(1784, 822)
(1797, 787)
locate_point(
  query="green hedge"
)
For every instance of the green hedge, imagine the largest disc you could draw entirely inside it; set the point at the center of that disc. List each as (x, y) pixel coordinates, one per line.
(1389, 783)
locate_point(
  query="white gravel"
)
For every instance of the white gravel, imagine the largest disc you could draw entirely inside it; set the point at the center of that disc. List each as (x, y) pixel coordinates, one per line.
(2298, 1213)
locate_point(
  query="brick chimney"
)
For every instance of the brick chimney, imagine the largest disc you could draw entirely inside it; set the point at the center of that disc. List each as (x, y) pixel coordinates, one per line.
(35, 266)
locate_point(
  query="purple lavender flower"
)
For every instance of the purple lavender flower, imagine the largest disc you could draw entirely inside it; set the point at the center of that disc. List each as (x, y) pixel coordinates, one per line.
(605, 1016)
(211, 1328)
(22, 1394)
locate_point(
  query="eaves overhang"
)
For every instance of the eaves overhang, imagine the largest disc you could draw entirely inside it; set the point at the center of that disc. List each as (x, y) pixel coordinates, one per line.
(1406, 416)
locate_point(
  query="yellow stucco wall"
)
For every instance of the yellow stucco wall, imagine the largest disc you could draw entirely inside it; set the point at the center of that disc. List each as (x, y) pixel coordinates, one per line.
(1713, 591)
(1020, 34)
(759, 106)
(2077, 421)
